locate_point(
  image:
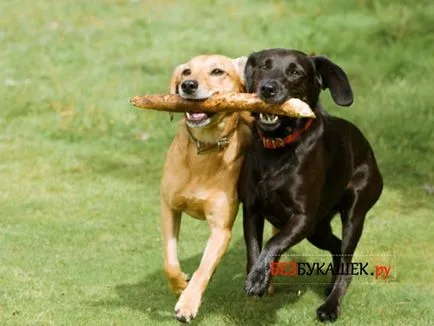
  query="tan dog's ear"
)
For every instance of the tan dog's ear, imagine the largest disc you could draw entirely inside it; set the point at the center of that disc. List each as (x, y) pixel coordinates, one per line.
(240, 64)
(174, 83)
(176, 78)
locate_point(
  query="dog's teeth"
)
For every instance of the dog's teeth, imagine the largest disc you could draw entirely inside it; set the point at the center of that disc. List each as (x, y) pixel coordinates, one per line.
(268, 118)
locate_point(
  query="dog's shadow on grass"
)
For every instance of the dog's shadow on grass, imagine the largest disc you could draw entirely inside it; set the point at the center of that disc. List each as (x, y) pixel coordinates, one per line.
(224, 296)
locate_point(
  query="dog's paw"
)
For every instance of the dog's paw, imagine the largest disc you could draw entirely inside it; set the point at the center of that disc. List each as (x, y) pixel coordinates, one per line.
(257, 281)
(178, 284)
(187, 306)
(328, 312)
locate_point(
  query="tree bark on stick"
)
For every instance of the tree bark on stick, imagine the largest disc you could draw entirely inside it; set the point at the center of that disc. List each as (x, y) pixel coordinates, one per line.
(223, 102)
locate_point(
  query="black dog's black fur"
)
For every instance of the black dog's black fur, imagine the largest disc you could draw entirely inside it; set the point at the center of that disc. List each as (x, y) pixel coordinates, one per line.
(299, 188)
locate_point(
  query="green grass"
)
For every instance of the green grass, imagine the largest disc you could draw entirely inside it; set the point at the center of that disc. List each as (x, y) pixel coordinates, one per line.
(79, 225)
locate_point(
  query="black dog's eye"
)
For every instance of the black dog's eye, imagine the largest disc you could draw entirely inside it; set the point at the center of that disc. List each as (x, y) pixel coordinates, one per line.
(217, 72)
(293, 72)
(267, 65)
(186, 72)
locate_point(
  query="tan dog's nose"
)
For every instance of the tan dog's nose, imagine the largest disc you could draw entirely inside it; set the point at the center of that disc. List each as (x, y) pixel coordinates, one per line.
(189, 86)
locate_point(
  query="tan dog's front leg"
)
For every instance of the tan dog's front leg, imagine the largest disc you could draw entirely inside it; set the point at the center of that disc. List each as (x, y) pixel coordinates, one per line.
(170, 223)
(188, 304)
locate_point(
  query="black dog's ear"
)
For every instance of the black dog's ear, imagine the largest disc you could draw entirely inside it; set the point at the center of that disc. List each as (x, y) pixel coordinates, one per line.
(248, 70)
(335, 79)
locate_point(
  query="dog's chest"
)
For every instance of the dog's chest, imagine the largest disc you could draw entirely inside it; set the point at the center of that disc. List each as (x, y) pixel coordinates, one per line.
(193, 200)
(270, 192)
(198, 193)
(263, 190)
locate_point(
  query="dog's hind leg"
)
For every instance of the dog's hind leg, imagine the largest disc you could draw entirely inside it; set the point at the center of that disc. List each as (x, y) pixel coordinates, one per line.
(354, 206)
(323, 238)
(170, 224)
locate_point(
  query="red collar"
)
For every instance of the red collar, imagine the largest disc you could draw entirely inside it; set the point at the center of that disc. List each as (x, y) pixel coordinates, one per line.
(273, 143)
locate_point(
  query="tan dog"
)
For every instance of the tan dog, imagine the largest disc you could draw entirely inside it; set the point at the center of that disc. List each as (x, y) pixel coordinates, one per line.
(201, 173)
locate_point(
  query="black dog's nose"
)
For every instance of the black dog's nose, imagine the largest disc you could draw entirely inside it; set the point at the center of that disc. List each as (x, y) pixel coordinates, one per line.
(268, 89)
(189, 86)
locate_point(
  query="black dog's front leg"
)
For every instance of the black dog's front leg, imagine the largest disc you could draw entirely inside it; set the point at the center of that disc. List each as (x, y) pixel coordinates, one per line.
(297, 228)
(253, 225)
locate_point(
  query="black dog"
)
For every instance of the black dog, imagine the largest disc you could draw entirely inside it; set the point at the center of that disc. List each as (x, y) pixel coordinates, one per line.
(298, 173)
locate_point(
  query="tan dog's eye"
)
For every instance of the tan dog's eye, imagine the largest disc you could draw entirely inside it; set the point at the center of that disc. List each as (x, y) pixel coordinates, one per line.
(217, 72)
(186, 72)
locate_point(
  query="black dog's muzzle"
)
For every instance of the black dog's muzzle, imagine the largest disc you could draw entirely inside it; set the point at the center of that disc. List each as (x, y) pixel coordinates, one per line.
(271, 91)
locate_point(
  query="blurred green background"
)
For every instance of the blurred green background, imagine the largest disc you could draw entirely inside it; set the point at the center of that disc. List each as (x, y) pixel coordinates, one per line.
(80, 168)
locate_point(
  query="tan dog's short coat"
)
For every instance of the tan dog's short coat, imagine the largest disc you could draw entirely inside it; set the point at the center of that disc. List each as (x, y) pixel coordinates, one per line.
(202, 185)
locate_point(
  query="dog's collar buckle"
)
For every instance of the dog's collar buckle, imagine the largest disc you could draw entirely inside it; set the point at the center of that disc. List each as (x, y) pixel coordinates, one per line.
(223, 142)
(273, 142)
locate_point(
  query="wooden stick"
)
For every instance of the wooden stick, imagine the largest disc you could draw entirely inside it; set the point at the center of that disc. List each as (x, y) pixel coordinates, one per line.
(223, 102)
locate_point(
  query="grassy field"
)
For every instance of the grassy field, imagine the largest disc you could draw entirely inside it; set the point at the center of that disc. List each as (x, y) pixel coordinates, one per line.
(80, 169)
